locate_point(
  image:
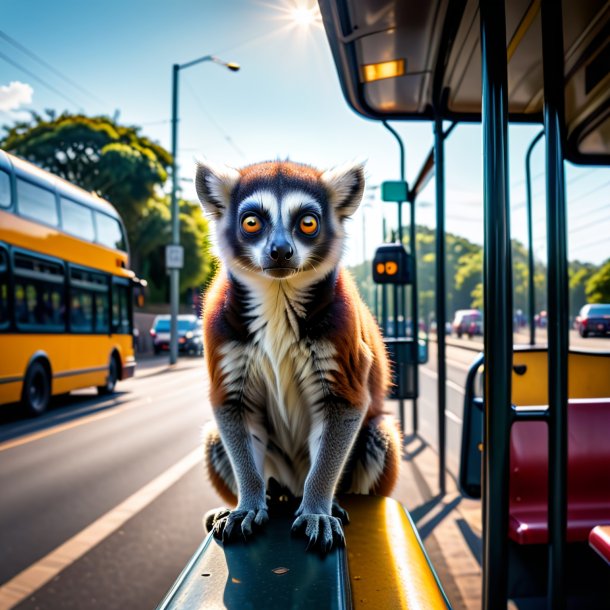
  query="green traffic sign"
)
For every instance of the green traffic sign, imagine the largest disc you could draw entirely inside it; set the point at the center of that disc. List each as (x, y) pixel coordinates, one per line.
(394, 190)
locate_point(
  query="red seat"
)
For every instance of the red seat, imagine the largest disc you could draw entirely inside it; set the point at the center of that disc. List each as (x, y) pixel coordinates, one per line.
(588, 473)
(599, 539)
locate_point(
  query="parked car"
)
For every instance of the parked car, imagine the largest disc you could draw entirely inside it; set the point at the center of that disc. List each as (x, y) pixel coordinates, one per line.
(468, 322)
(594, 319)
(190, 334)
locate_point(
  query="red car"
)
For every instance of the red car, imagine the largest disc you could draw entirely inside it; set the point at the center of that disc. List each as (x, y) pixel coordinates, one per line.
(594, 319)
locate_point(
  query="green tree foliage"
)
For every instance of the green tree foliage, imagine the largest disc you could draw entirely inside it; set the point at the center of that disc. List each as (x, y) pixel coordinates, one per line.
(579, 275)
(598, 285)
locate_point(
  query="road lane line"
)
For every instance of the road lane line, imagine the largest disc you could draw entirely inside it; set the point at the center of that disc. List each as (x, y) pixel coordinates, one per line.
(38, 574)
(108, 411)
(450, 384)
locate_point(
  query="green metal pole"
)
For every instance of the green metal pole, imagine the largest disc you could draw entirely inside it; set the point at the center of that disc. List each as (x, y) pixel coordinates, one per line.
(498, 332)
(558, 332)
(531, 301)
(174, 273)
(441, 300)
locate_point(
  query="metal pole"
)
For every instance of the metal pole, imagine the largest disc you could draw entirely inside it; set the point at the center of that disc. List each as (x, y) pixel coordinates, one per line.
(558, 333)
(384, 295)
(531, 300)
(174, 273)
(441, 299)
(498, 332)
(414, 313)
(401, 404)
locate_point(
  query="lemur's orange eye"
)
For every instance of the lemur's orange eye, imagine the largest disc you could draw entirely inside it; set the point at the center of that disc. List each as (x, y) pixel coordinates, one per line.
(251, 224)
(308, 224)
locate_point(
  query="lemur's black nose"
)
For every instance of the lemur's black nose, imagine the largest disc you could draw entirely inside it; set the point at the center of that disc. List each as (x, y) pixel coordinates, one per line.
(281, 251)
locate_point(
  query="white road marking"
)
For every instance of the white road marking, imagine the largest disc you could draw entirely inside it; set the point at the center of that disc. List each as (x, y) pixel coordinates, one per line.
(38, 574)
(450, 384)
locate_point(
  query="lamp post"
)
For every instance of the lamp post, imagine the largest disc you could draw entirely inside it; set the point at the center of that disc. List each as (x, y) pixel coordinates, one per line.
(174, 253)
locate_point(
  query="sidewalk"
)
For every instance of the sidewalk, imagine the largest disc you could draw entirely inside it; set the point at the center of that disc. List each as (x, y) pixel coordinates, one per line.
(449, 526)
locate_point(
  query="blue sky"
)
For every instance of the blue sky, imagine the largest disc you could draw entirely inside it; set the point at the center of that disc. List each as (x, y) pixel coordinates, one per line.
(285, 102)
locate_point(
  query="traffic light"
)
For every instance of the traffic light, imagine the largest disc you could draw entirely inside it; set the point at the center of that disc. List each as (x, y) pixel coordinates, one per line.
(392, 265)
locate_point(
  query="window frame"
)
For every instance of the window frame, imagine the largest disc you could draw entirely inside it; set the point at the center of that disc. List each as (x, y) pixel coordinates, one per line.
(39, 329)
(84, 206)
(93, 289)
(49, 189)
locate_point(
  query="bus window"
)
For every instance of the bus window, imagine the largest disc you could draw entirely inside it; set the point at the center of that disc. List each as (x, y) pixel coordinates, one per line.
(109, 232)
(36, 202)
(39, 294)
(121, 321)
(4, 319)
(77, 219)
(5, 190)
(89, 301)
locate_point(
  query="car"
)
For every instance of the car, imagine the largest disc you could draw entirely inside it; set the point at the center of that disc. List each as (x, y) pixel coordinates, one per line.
(467, 322)
(594, 319)
(190, 334)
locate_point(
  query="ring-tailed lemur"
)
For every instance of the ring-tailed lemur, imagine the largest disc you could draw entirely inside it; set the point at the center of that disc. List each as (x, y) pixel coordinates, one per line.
(298, 370)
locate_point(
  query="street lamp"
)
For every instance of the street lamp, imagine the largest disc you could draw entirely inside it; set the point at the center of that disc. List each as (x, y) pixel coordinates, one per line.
(174, 253)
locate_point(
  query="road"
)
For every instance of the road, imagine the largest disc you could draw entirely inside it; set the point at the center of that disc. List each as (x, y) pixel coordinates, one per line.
(102, 498)
(70, 477)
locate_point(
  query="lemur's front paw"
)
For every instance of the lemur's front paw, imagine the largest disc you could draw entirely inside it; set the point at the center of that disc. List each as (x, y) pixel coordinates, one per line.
(239, 521)
(323, 531)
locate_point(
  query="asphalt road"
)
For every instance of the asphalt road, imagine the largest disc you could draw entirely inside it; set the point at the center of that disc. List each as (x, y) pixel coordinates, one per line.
(102, 498)
(71, 468)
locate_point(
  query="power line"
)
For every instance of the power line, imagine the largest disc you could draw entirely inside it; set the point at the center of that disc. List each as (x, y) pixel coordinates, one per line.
(39, 79)
(48, 66)
(226, 136)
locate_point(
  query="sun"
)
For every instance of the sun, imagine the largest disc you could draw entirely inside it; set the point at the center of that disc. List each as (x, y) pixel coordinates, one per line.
(304, 16)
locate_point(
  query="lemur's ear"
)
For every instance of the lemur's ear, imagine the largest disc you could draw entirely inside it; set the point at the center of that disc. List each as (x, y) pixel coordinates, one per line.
(345, 186)
(214, 184)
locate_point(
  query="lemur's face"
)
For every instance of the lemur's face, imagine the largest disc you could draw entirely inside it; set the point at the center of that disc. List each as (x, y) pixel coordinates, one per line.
(280, 220)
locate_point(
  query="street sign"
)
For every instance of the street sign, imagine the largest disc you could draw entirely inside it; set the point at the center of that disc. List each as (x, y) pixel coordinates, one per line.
(394, 190)
(174, 257)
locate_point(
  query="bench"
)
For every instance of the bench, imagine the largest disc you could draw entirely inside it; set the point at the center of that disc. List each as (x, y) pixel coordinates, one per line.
(588, 473)
(384, 565)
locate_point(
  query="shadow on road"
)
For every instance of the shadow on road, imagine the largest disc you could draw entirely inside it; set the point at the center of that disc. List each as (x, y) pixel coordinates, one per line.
(61, 410)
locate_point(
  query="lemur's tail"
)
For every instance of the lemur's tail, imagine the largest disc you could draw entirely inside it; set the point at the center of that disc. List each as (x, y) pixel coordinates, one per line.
(374, 463)
(220, 471)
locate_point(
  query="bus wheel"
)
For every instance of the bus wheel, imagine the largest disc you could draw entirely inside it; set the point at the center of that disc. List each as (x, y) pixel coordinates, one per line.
(111, 378)
(36, 393)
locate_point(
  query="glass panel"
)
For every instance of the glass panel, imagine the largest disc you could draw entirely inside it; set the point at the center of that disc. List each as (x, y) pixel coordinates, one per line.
(109, 232)
(4, 320)
(102, 312)
(5, 190)
(121, 320)
(81, 311)
(36, 202)
(39, 305)
(77, 219)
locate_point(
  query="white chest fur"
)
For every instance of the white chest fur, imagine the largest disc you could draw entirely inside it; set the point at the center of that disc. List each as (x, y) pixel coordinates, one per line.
(281, 378)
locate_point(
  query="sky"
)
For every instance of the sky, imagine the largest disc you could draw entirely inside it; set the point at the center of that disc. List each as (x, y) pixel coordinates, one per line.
(115, 58)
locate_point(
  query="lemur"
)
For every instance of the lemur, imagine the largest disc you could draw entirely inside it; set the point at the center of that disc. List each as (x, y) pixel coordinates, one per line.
(297, 366)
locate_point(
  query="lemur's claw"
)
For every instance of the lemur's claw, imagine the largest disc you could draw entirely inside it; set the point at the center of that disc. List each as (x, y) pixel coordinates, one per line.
(239, 522)
(340, 513)
(324, 532)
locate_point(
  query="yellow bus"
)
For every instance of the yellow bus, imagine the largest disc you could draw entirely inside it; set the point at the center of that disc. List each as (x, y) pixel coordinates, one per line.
(66, 312)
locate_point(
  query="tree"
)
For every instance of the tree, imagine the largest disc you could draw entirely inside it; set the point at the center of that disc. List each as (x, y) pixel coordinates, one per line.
(598, 285)
(97, 154)
(579, 274)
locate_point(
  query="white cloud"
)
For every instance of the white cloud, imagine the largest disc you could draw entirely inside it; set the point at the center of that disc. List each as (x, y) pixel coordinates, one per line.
(14, 95)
